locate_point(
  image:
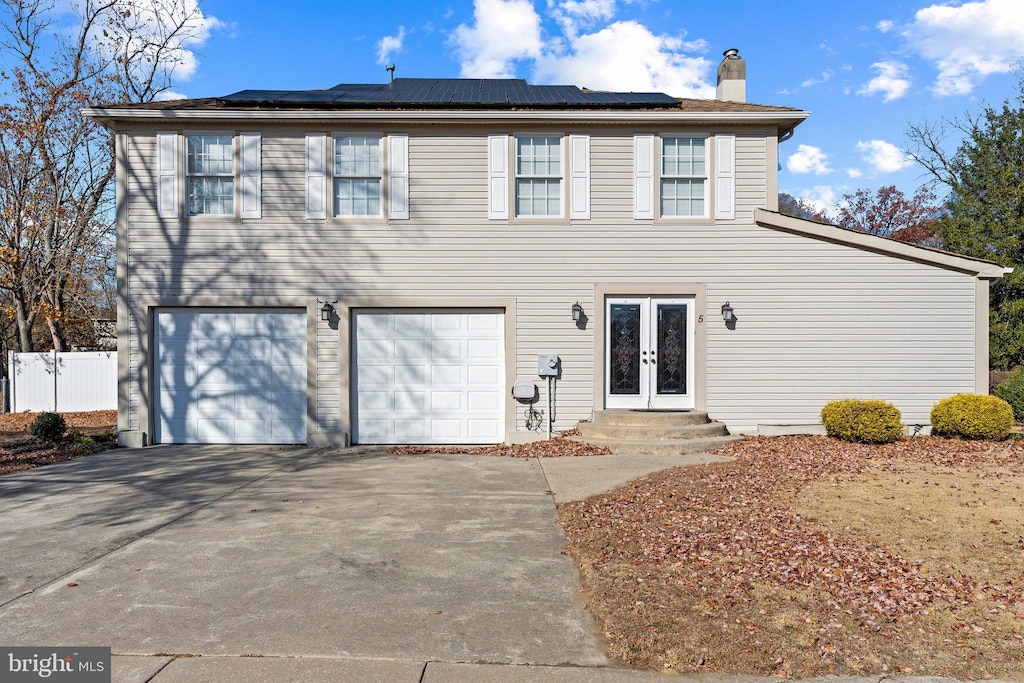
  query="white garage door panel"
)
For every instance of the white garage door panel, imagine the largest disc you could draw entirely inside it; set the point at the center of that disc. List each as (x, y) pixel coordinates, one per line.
(429, 377)
(232, 376)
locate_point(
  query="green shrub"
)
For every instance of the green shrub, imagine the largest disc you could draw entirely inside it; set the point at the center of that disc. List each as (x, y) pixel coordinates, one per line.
(1011, 390)
(48, 427)
(862, 420)
(972, 416)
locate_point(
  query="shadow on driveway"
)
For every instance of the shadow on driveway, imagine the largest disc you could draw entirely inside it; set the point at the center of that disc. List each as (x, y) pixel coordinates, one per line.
(250, 550)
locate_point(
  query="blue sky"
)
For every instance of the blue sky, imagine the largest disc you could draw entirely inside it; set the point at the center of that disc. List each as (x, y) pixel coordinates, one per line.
(863, 69)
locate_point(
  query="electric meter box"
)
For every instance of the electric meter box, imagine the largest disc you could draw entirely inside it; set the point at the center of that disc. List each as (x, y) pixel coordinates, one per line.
(547, 364)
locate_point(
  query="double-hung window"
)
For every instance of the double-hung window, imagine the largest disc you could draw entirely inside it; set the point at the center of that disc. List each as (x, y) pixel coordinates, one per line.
(357, 175)
(210, 175)
(538, 181)
(684, 176)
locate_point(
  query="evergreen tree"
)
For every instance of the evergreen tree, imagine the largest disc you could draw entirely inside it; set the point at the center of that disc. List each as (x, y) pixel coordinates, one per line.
(985, 206)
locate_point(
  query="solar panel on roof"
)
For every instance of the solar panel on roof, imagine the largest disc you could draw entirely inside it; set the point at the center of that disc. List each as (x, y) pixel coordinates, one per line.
(308, 96)
(256, 95)
(646, 98)
(438, 92)
(407, 92)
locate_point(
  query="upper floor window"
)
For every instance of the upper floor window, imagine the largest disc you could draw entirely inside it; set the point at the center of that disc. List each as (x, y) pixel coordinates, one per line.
(538, 180)
(357, 176)
(683, 176)
(210, 175)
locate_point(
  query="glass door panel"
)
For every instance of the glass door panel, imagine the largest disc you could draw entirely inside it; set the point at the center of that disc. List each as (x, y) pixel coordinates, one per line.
(671, 348)
(624, 349)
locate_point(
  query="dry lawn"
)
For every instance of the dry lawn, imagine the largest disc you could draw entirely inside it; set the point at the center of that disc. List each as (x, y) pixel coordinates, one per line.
(808, 556)
(552, 448)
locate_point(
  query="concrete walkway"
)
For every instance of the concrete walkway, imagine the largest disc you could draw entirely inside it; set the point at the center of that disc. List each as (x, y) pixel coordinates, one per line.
(280, 670)
(578, 478)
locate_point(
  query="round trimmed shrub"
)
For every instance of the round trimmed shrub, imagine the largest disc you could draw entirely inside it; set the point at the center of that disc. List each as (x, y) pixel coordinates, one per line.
(863, 420)
(972, 416)
(1011, 390)
(48, 427)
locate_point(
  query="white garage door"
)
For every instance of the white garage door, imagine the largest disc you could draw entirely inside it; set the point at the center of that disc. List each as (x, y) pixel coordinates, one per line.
(231, 376)
(429, 377)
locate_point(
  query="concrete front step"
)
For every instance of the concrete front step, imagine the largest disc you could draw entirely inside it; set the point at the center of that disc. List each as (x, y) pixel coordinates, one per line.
(651, 418)
(593, 430)
(665, 447)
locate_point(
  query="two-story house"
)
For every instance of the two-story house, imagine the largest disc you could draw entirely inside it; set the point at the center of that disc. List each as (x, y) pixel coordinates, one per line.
(381, 263)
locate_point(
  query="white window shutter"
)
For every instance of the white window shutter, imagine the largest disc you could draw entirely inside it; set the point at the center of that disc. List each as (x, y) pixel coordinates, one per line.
(398, 176)
(725, 176)
(167, 174)
(497, 176)
(250, 144)
(643, 176)
(316, 175)
(579, 176)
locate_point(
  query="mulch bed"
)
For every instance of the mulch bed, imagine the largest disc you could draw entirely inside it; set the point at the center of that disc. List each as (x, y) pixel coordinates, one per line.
(89, 433)
(19, 422)
(553, 448)
(712, 559)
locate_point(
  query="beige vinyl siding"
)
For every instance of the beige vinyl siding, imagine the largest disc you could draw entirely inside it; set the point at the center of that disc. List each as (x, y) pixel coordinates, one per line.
(816, 320)
(328, 377)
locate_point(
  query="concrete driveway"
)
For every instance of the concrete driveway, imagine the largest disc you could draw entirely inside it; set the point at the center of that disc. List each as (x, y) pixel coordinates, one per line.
(283, 552)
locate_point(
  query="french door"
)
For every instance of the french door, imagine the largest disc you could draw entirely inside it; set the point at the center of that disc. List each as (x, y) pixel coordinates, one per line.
(649, 353)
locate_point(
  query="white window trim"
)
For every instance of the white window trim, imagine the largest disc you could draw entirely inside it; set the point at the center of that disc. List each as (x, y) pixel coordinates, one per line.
(234, 175)
(659, 148)
(514, 175)
(382, 139)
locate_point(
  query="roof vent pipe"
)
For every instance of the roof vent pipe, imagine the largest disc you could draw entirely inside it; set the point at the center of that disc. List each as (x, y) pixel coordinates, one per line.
(732, 77)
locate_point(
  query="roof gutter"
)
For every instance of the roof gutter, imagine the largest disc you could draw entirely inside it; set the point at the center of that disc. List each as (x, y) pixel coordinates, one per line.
(125, 114)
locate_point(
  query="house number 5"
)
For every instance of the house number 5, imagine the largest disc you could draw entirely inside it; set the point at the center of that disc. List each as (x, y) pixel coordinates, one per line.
(700, 318)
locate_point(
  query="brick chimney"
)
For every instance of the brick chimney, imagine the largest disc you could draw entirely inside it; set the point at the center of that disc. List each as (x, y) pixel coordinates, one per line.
(732, 77)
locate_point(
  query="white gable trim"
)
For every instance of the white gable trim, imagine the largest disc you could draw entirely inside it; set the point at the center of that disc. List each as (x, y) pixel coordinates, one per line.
(831, 233)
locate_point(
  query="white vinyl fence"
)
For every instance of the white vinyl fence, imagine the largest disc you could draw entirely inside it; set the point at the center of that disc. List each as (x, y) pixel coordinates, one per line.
(63, 382)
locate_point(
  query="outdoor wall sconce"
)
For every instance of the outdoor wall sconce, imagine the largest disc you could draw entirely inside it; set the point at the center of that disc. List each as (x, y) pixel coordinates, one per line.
(326, 310)
(727, 313)
(577, 312)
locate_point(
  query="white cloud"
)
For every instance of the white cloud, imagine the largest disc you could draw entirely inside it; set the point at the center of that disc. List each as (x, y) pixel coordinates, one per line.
(170, 95)
(808, 159)
(885, 25)
(389, 45)
(572, 15)
(623, 55)
(145, 25)
(882, 156)
(627, 56)
(503, 32)
(968, 41)
(821, 197)
(826, 76)
(854, 172)
(891, 80)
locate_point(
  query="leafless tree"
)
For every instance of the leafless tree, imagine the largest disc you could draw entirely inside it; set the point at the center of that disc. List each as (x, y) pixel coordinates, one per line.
(56, 166)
